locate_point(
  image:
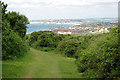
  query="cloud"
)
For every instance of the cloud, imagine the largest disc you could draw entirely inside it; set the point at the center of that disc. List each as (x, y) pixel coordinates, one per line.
(63, 8)
(13, 1)
(56, 3)
(104, 0)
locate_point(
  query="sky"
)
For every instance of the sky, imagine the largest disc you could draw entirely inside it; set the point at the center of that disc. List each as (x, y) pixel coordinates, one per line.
(64, 9)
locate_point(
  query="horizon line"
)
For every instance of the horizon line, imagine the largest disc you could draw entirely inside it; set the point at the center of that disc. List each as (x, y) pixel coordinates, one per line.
(77, 18)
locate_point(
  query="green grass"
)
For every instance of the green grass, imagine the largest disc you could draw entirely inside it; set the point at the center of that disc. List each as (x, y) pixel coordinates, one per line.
(39, 64)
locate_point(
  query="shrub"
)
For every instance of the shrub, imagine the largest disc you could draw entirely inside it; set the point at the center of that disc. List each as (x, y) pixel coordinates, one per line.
(17, 22)
(101, 59)
(44, 39)
(68, 46)
(13, 43)
(13, 46)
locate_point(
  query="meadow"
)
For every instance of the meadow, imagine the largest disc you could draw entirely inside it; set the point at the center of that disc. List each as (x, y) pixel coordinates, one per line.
(39, 64)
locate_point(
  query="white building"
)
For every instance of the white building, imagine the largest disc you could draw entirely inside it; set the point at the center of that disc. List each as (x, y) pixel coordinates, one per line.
(71, 27)
(105, 30)
(60, 32)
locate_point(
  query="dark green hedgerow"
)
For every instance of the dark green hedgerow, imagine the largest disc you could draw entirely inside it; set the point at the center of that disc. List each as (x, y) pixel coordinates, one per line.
(13, 32)
(13, 46)
(70, 45)
(101, 58)
(44, 40)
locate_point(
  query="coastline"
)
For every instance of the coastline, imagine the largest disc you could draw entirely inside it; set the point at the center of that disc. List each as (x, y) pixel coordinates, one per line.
(59, 25)
(37, 22)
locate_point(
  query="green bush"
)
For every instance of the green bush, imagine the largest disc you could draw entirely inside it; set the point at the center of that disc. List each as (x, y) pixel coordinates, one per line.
(68, 46)
(44, 40)
(100, 59)
(17, 22)
(33, 37)
(13, 46)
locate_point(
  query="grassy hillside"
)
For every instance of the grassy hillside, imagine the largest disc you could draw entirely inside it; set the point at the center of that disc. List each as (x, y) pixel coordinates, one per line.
(39, 64)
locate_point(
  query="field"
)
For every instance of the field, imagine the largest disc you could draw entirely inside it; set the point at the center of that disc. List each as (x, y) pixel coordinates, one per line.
(39, 64)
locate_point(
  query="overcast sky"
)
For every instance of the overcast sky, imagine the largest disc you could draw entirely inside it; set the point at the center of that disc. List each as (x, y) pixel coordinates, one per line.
(64, 9)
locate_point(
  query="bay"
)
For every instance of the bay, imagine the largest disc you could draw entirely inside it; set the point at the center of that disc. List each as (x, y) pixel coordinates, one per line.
(42, 27)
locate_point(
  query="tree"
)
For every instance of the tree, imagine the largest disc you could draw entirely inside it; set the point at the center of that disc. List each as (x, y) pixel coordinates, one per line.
(12, 44)
(17, 22)
(4, 7)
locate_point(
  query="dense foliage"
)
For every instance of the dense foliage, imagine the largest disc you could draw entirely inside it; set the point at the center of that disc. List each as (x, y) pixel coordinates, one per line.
(97, 55)
(44, 39)
(17, 22)
(12, 44)
(69, 45)
(100, 59)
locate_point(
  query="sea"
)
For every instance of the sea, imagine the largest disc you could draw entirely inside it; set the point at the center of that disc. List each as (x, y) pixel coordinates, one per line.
(42, 27)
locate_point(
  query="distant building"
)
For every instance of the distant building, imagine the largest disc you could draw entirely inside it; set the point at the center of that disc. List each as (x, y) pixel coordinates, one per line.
(105, 30)
(50, 29)
(60, 32)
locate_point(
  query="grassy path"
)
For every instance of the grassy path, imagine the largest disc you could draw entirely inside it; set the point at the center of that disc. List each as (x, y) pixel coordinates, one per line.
(39, 64)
